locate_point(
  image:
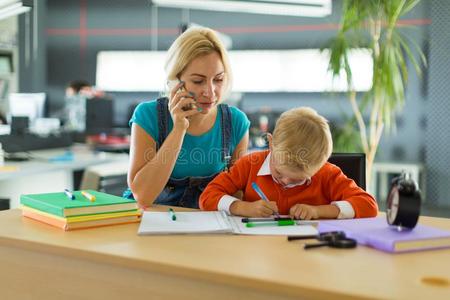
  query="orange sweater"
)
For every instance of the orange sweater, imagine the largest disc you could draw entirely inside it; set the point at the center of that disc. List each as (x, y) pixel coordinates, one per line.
(327, 185)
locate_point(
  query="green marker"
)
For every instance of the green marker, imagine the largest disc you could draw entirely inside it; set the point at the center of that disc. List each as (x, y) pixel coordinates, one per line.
(274, 223)
(172, 215)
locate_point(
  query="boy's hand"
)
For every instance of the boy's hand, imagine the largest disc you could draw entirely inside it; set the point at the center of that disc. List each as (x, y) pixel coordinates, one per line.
(258, 208)
(262, 208)
(304, 212)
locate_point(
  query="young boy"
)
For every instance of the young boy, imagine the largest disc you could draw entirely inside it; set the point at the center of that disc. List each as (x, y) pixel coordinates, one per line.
(294, 175)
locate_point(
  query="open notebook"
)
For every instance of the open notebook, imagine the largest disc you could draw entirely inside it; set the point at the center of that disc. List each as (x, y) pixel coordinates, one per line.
(212, 222)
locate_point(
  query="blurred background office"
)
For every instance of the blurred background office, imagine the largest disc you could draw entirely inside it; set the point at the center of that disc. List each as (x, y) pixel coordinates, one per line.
(118, 47)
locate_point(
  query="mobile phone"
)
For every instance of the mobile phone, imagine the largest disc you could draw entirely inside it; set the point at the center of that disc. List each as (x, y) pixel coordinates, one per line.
(189, 106)
(182, 88)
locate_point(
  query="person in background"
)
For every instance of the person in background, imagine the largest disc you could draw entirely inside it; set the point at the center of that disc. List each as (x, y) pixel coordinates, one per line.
(74, 113)
(294, 175)
(179, 143)
(84, 88)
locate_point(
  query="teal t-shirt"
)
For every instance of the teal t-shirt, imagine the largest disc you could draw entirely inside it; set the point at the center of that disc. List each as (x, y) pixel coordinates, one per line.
(199, 155)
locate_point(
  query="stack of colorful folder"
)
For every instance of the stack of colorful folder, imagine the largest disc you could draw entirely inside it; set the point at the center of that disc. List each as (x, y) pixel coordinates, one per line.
(80, 209)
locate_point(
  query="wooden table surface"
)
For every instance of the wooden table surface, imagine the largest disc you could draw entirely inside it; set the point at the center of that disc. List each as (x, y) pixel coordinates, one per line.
(203, 266)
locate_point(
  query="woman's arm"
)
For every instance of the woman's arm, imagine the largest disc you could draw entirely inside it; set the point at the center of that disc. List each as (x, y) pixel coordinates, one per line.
(150, 170)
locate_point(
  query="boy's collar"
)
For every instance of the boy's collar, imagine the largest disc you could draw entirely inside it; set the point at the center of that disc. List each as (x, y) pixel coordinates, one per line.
(265, 167)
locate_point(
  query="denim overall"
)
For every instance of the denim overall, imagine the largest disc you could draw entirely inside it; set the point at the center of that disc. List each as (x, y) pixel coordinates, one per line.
(186, 191)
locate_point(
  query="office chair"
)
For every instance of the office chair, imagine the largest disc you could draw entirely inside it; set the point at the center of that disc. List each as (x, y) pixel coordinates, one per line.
(353, 165)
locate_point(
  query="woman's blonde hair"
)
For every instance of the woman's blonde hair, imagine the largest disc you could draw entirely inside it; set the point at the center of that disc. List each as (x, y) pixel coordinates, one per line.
(195, 42)
(302, 140)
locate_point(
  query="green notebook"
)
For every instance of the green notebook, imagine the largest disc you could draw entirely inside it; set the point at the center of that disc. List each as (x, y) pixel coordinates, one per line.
(60, 205)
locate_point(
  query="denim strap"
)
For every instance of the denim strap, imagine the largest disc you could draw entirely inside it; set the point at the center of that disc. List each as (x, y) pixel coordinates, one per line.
(186, 191)
(226, 125)
(162, 107)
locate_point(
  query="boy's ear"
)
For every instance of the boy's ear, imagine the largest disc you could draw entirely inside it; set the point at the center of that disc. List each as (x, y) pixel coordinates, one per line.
(269, 139)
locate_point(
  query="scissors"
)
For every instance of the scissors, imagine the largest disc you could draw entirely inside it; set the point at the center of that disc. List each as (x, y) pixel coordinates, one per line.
(333, 239)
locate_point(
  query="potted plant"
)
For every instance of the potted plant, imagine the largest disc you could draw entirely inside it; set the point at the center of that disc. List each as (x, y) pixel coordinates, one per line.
(373, 24)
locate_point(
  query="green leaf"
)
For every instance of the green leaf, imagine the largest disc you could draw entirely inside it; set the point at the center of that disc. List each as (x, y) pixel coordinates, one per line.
(409, 5)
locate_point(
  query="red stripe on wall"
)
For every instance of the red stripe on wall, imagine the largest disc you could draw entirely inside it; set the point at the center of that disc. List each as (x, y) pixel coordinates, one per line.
(112, 31)
(229, 30)
(83, 36)
(83, 22)
(415, 22)
(132, 31)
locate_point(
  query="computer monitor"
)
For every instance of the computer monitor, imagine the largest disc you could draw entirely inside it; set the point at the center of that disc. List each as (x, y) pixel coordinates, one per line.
(99, 115)
(29, 105)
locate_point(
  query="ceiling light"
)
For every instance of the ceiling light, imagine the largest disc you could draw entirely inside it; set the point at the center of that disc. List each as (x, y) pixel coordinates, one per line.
(304, 8)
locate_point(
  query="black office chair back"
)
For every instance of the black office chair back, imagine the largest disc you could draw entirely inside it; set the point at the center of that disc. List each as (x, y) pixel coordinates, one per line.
(353, 165)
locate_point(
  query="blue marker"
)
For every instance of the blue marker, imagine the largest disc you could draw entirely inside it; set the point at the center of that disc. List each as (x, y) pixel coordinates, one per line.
(261, 194)
(69, 194)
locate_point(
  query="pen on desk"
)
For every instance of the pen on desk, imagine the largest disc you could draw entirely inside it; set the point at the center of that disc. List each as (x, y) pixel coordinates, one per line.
(246, 220)
(271, 223)
(262, 195)
(172, 215)
(90, 197)
(69, 194)
(302, 237)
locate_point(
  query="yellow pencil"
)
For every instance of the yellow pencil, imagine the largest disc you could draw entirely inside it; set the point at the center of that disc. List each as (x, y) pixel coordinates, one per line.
(88, 196)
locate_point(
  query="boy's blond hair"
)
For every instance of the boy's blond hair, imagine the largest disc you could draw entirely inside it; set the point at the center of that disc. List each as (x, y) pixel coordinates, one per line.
(302, 140)
(195, 42)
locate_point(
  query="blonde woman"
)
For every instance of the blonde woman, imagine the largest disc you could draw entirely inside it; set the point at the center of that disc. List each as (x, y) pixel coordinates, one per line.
(181, 142)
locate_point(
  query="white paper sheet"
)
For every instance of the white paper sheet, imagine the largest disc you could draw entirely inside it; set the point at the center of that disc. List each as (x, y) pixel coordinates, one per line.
(212, 222)
(186, 222)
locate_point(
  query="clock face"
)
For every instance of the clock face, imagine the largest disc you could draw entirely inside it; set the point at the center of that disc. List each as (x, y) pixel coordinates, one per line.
(392, 205)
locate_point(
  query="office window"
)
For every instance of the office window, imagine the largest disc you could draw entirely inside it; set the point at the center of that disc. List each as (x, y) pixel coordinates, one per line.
(253, 71)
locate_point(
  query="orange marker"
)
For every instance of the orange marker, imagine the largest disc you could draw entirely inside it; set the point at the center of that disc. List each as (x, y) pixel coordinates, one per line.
(88, 196)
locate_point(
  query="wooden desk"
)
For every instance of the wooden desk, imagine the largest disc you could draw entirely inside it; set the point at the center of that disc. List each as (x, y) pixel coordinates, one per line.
(41, 262)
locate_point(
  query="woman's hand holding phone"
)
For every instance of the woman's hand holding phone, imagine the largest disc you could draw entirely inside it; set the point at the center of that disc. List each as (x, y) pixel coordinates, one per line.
(189, 106)
(181, 106)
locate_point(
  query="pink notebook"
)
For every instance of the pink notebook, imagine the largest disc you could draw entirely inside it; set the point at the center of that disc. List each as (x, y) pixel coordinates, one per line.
(376, 233)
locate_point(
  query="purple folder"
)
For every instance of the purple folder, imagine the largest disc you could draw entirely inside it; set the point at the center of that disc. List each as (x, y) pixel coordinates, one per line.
(376, 233)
